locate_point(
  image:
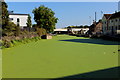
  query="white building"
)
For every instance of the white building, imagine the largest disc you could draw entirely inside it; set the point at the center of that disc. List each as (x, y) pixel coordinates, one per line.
(114, 23)
(60, 31)
(75, 29)
(18, 19)
(105, 23)
(111, 24)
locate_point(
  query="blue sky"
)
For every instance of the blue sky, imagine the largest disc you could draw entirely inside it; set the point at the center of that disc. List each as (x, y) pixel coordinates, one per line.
(69, 13)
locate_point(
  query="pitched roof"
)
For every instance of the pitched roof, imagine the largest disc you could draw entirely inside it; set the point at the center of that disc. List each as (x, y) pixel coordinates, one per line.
(107, 16)
(115, 15)
(12, 13)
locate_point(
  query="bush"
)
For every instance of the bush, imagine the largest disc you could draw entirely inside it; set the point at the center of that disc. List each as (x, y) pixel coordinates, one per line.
(9, 41)
(41, 31)
(7, 44)
(14, 42)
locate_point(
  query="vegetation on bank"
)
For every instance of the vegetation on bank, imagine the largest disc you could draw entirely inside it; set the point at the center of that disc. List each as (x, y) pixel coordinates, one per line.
(59, 57)
(12, 41)
(12, 33)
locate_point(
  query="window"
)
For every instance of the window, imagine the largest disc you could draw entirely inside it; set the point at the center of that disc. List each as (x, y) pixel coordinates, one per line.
(11, 19)
(116, 20)
(119, 27)
(105, 22)
(109, 28)
(111, 21)
(18, 20)
(18, 24)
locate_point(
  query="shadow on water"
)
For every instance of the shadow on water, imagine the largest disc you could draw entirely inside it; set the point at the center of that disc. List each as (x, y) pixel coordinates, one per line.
(93, 41)
(107, 74)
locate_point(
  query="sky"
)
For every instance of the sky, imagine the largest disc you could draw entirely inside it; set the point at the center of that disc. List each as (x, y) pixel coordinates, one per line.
(62, 0)
(68, 13)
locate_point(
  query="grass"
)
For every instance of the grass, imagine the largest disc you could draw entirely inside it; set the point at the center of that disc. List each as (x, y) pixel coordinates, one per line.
(58, 57)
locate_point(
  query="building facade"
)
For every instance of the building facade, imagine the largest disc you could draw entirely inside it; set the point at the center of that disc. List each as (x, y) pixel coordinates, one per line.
(18, 19)
(76, 30)
(111, 24)
(105, 23)
(98, 27)
(114, 23)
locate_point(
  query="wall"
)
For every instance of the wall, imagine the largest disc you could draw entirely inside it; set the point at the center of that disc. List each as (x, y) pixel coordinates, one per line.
(23, 20)
(115, 24)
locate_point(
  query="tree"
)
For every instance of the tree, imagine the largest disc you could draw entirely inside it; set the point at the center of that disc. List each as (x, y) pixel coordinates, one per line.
(17, 31)
(86, 26)
(29, 22)
(44, 17)
(41, 31)
(5, 15)
(9, 29)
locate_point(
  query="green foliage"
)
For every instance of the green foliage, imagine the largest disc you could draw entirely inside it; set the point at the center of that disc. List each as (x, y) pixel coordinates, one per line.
(29, 22)
(8, 44)
(0, 14)
(41, 31)
(9, 29)
(17, 31)
(5, 15)
(44, 17)
(86, 26)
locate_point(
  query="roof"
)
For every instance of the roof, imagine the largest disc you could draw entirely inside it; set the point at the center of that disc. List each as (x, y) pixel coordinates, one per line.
(107, 16)
(95, 23)
(115, 15)
(12, 13)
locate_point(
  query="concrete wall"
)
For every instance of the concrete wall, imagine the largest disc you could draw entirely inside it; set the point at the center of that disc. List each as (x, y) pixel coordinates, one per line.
(22, 18)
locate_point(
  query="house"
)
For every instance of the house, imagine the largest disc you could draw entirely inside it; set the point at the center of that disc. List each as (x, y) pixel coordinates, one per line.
(111, 24)
(114, 23)
(105, 23)
(60, 31)
(18, 19)
(96, 28)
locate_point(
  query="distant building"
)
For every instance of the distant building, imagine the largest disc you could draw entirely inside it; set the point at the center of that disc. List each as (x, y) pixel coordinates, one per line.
(111, 24)
(96, 28)
(60, 31)
(114, 23)
(105, 23)
(76, 30)
(18, 19)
